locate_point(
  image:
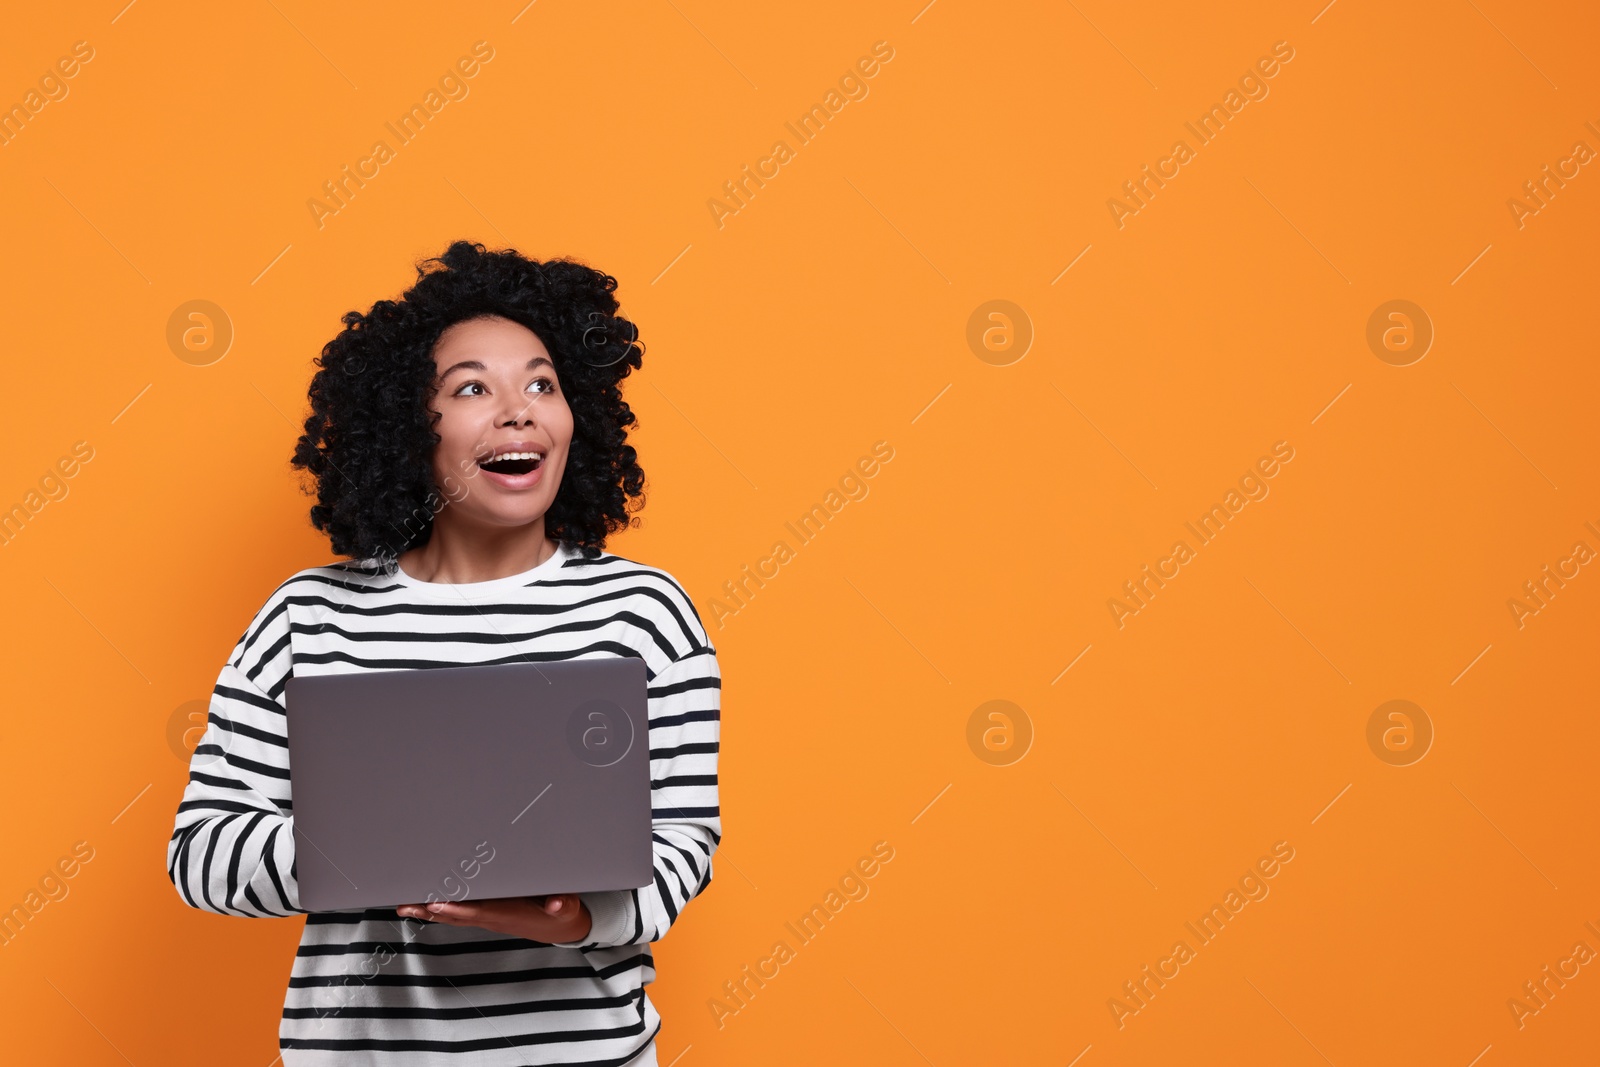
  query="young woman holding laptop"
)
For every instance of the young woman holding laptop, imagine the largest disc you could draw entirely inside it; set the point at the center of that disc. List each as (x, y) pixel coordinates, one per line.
(468, 448)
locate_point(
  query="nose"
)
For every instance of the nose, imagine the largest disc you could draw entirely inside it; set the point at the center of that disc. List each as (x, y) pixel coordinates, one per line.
(517, 410)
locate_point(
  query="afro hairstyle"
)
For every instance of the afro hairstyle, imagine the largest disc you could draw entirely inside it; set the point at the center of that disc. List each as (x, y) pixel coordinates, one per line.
(369, 440)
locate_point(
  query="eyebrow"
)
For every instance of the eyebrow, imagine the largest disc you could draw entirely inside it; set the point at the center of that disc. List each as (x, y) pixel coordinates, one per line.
(472, 364)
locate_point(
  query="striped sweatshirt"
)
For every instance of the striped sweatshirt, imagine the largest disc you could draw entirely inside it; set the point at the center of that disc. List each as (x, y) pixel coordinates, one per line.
(370, 988)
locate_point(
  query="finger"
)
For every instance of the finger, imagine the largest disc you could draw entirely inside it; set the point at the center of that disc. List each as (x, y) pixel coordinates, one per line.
(453, 914)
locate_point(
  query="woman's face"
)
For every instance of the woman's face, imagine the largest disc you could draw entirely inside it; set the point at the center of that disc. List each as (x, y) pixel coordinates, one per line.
(504, 425)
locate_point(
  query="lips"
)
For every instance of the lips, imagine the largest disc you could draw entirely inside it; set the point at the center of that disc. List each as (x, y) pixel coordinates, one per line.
(514, 458)
(513, 464)
(524, 480)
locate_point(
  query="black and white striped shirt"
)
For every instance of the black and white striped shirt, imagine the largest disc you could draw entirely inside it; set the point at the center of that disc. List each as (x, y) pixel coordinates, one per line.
(370, 988)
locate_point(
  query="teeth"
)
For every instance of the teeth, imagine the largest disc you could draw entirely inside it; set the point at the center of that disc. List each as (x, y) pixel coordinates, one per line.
(515, 455)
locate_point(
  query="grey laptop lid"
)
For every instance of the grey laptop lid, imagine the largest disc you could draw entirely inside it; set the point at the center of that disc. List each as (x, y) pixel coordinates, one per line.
(472, 782)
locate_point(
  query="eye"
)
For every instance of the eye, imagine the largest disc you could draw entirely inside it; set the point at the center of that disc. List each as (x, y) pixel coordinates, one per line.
(469, 385)
(548, 383)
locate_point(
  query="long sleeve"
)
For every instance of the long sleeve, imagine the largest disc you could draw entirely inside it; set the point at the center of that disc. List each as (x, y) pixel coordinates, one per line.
(685, 702)
(232, 847)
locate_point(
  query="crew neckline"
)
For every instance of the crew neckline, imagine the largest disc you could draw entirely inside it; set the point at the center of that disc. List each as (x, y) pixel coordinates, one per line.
(491, 587)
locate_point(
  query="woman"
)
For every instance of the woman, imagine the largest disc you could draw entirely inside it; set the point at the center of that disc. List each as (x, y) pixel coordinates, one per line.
(468, 445)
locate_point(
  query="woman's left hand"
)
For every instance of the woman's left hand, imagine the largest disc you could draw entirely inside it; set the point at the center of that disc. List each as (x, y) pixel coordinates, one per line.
(558, 917)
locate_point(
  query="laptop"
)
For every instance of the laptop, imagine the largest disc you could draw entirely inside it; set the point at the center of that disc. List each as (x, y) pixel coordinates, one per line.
(467, 783)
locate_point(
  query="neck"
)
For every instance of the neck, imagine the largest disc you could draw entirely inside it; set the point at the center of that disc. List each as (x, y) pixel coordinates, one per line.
(457, 553)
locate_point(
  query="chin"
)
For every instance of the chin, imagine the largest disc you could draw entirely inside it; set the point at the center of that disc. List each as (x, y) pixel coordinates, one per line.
(517, 519)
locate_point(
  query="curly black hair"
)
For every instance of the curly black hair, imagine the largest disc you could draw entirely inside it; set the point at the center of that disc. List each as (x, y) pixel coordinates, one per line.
(369, 440)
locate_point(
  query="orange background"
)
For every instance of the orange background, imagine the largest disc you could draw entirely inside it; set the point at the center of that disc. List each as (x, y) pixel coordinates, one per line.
(829, 313)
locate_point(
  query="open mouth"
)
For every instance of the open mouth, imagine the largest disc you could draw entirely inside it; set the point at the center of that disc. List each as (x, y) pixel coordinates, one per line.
(512, 463)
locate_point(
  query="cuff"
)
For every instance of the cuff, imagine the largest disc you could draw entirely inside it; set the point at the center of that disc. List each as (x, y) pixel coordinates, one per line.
(608, 919)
